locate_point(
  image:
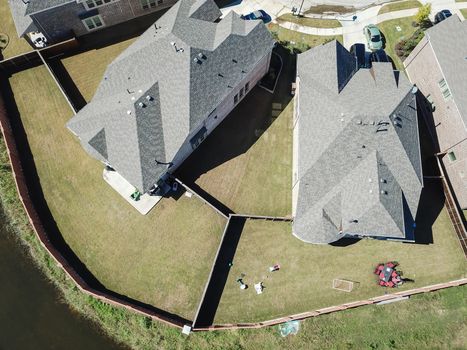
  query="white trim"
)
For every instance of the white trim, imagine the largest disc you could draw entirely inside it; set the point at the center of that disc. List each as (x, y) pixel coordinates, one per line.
(85, 3)
(96, 27)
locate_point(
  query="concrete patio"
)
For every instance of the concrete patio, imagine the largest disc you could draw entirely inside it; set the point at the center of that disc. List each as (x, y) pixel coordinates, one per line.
(125, 189)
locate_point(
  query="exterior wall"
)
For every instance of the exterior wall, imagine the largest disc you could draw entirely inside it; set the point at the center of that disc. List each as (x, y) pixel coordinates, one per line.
(223, 109)
(423, 69)
(295, 160)
(64, 21)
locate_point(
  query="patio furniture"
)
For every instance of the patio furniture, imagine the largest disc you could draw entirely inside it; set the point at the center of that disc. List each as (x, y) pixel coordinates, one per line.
(259, 288)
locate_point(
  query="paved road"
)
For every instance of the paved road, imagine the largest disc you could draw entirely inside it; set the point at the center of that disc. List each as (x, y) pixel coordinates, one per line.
(352, 31)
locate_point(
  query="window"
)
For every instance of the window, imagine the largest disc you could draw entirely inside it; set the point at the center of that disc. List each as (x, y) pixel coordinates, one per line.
(146, 4)
(247, 87)
(452, 156)
(444, 89)
(241, 92)
(93, 22)
(90, 4)
(199, 137)
(236, 98)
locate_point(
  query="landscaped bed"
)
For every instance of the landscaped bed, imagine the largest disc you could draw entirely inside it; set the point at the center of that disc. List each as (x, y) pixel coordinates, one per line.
(310, 22)
(393, 35)
(400, 5)
(162, 259)
(304, 280)
(16, 45)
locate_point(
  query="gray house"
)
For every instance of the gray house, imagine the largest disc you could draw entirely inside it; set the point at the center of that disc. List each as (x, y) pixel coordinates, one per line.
(62, 19)
(438, 65)
(357, 164)
(165, 94)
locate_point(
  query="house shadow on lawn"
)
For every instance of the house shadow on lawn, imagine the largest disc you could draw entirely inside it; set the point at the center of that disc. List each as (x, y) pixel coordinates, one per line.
(242, 128)
(48, 222)
(220, 273)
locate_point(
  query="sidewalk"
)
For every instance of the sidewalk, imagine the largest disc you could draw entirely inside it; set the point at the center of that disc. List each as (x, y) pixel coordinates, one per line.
(352, 31)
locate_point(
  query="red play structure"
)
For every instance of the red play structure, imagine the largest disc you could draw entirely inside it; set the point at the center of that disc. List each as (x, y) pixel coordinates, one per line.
(388, 275)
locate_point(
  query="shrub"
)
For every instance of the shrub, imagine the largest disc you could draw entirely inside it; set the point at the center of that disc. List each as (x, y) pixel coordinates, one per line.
(422, 15)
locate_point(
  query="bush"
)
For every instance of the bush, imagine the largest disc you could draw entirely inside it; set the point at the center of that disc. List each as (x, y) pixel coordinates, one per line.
(422, 15)
(404, 47)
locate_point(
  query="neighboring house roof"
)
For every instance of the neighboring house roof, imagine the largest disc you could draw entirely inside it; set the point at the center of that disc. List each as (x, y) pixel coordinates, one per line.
(187, 64)
(41, 5)
(23, 23)
(449, 42)
(359, 165)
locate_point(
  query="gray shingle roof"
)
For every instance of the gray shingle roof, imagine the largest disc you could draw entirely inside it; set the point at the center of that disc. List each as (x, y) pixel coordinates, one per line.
(449, 41)
(184, 91)
(23, 23)
(359, 166)
(41, 5)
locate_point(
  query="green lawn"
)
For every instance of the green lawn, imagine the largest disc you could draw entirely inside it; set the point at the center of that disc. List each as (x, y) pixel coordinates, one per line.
(304, 280)
(297, 38)
(87, 76)
(464, 13)
(393, 36)
(16, 45)
(310, 22)
(400, 5)
(162, 259)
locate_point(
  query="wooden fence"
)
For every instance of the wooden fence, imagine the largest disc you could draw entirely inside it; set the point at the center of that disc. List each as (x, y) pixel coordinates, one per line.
(35, 221)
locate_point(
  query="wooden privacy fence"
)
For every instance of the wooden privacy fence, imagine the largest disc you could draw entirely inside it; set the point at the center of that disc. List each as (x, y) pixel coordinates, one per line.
(452, 208)
(336, 308)
(35, 221)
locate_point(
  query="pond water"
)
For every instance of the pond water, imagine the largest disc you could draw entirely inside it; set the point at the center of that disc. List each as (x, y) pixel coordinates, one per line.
(31, 314)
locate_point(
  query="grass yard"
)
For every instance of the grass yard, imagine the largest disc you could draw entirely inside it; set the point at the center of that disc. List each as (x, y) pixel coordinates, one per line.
(304, 281)
(16, 45)
(87, 68)
(393, 36)
(400, 5)
(310, 22)
(464, 12)
(162, 259)
(283, 34)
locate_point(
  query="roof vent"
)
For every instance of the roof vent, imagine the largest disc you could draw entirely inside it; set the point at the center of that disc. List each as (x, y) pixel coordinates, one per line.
(234, 61)
(140, 91)
(133, 98)
(128, 112)
(149, 98)
(197, 60)
(141, 105)
(220, 75)
(383, 181)
(359, 121)
(414, 89)
(201, 56)
(396, 123)
(384, 192)
(370, 180)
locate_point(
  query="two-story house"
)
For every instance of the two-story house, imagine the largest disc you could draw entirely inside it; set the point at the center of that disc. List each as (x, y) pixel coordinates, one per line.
(62, 19)
(170, 89)
(356, 154)
(438, 66)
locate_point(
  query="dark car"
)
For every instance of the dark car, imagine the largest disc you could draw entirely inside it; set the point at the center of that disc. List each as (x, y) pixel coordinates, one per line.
(379, 56)
(358, 50)
(260, 14)
(442, 15)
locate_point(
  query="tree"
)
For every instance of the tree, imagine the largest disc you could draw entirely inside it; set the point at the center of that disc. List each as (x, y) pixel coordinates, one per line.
(422, 15)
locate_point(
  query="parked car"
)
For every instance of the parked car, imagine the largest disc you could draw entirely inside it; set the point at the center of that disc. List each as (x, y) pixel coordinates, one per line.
(442, 15)
(358, 50)
(260, 14)
(373, 37)
(379, 56)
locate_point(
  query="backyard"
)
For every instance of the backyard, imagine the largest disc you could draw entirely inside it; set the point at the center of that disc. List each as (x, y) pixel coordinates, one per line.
(394, 31)
(16, 45)
(304, 280)
(246, 162)
(464, 13)
(86, 77)
(148, 258)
